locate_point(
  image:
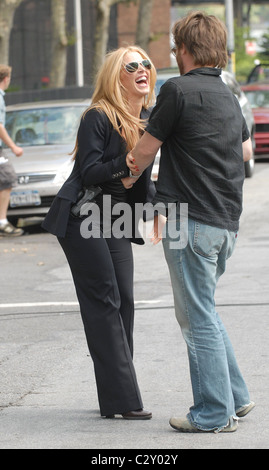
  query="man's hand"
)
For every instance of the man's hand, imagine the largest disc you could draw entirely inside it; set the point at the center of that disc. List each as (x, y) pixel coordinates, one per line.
(143, 154)
(18, 151)
(158, 226)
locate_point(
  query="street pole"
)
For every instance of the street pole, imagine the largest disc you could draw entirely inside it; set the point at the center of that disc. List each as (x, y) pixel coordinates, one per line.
(78, 44)
(229, 14)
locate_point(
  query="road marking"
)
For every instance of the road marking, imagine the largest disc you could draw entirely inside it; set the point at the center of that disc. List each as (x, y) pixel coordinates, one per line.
(39, 304)
(60, 304)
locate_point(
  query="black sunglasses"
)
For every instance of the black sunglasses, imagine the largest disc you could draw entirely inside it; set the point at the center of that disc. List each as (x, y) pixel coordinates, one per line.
(133, 66)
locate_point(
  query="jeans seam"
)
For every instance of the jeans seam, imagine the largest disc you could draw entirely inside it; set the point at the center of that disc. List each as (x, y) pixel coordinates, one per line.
(191, 330)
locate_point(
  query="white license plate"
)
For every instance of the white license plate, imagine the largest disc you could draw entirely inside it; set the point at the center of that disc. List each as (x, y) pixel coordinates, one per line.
(24, 198)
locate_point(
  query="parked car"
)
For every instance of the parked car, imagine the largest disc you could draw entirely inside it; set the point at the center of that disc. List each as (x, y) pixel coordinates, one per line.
(47, 133)
(237, 90)
(234, 86)
(259, 73)
(258, 97)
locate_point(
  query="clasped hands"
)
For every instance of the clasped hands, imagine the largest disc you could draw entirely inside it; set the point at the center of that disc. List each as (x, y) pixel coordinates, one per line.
(128, 182)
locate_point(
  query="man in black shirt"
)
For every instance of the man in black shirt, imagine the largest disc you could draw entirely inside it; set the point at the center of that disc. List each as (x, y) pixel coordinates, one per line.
(204, 141)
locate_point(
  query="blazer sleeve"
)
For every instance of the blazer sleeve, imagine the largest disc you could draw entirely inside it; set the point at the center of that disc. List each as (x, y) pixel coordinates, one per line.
(94, 135)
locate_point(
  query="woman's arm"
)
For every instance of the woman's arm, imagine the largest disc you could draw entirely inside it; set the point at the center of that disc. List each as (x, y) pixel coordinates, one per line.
(93, 137)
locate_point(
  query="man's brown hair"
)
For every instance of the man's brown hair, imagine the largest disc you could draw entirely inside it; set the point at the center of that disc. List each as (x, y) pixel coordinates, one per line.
(205, 38)
(5, 71)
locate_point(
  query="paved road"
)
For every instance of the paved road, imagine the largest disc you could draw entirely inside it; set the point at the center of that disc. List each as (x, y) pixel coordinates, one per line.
(47, 392)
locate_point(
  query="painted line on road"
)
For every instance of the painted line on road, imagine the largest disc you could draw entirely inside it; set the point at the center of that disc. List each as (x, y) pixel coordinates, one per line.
(137, 302)
(39, 304)
(60, 304)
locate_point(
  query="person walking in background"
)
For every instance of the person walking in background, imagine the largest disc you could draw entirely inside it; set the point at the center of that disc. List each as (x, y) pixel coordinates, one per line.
(204, 138)
(8, 176)
(102, 264)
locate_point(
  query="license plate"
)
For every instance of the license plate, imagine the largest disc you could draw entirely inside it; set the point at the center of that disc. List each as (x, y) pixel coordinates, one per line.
(24, 198)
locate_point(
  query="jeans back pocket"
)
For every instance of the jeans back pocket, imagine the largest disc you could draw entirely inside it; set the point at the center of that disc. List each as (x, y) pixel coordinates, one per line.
(208, 240)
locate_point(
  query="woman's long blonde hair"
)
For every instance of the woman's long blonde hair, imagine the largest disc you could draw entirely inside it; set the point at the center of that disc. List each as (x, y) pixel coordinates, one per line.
(108, 96)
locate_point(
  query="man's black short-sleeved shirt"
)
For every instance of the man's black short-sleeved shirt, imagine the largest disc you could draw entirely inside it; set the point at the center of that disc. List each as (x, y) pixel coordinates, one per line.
(202, 128)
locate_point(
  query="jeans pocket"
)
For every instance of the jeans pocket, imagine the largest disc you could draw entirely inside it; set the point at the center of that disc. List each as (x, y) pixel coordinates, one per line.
(207, 240)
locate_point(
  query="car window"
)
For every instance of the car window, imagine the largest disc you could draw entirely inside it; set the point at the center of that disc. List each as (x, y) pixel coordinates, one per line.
(258, 98)
(159, 84)
(163, 76)
(44, 126)
(259, 72)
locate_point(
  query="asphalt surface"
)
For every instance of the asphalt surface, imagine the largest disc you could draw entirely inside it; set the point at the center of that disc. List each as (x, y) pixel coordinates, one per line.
(47, 393)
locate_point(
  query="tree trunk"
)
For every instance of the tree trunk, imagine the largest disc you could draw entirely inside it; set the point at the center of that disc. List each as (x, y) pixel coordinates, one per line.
(7, 10)
(59, 44)
(101, 32)
(103, 8)
(143, 24)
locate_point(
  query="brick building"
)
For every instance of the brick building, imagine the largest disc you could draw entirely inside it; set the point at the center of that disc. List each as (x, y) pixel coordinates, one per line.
(159, 48)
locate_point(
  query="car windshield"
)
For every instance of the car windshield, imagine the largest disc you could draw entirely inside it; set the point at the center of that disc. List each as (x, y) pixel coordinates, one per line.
(44, 126)
(258, 98)
(159, 84)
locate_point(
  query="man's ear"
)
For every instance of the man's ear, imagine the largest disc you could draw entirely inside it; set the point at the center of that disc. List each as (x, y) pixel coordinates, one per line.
(183, 49)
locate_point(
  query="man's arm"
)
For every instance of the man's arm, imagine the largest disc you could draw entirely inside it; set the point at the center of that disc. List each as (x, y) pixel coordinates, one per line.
(143, 154)
(18, 151)
(247, 150)
(141, 157)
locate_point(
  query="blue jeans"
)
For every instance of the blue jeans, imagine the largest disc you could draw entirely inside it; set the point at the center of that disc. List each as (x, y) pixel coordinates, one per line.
(218, 386)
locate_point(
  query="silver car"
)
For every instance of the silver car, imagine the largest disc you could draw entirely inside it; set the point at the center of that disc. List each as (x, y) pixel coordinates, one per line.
(47, 133)
(247, 112)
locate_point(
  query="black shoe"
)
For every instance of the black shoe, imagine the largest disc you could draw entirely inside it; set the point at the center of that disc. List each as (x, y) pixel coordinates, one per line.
(137, 414)
(132, 415)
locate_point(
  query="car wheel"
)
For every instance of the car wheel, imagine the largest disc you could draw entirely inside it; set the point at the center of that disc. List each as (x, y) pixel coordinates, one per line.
(249, 167)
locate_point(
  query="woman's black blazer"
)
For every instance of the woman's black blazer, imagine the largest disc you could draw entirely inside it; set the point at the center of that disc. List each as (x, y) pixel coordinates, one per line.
(100, 158)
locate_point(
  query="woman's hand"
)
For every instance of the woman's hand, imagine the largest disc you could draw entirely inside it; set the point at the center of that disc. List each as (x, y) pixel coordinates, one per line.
(157, 232)
(129, 181)
(130, 162)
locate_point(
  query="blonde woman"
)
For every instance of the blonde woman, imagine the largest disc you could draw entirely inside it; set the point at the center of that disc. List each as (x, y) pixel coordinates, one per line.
(102, 263)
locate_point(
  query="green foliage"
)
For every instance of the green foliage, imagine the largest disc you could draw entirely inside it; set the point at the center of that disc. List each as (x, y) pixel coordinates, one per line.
(244, 62)
(264, 43)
